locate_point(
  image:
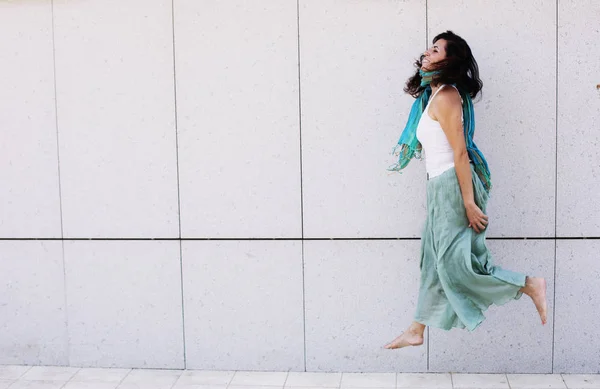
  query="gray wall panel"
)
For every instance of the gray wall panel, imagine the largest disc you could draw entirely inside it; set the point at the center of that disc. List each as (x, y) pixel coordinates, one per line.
(116, 118)
(355, 58)
(514, 44)
(32, 304)
(238, 118)
(578, 208)
(360, 295)
(243, 305)
(576, 337)
(124, 304)
(512, 338)
(29, 194)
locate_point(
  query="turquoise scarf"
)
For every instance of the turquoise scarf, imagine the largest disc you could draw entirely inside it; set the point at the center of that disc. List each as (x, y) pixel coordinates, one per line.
(408, 146)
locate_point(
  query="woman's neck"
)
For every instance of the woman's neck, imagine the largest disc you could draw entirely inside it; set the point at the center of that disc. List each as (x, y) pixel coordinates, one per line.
(434, 88)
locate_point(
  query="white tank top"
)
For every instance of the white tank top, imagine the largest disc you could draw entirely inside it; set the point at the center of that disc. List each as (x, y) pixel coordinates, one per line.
(439, 155)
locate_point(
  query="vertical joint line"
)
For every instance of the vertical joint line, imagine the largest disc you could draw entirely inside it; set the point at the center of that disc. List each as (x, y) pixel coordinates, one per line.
(62, 233)
(428, 336)
(555, 188)
(175, 114)
(426, 24)
(60, 208)
(178, 189)
(300, 118)
(301, 189)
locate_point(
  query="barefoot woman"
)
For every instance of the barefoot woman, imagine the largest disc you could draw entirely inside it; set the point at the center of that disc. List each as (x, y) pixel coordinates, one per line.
(458, 278)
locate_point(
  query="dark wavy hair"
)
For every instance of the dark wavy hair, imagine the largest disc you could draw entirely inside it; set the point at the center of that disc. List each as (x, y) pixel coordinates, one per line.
(459, 68)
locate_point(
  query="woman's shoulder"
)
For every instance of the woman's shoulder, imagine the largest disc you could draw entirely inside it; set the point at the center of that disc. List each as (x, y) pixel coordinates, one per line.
(448, 95)
(446, 103)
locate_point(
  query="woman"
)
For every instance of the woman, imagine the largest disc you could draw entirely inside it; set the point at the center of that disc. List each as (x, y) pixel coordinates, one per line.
(458, 278)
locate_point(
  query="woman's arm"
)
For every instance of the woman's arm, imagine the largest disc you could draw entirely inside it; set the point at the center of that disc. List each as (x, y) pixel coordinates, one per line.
(447, 108)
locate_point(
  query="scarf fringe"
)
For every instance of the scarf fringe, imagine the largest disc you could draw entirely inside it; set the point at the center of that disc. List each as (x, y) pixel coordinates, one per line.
(405, 153)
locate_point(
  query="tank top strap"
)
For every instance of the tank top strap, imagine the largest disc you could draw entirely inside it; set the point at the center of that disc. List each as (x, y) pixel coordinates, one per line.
(436, 92)
(454, 86)
(439, 89)
(431, 99)
(432, 96)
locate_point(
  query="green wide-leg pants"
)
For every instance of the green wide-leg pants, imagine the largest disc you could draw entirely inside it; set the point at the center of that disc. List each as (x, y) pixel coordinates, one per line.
(458, 277)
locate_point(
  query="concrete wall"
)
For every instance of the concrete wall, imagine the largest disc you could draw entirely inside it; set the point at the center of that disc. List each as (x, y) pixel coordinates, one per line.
(202, 184)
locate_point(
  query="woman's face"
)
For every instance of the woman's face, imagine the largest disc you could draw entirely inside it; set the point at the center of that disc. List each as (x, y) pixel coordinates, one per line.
(435, 53)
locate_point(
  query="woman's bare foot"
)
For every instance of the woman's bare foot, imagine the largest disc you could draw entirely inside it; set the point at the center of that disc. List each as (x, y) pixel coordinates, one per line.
(413, 336)
(535, 287)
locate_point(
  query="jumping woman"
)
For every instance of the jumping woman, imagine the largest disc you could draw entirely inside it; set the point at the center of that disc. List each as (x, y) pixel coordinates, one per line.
(458, 278)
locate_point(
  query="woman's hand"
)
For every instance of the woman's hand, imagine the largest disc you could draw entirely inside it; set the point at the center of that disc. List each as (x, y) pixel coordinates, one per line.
(477, 219)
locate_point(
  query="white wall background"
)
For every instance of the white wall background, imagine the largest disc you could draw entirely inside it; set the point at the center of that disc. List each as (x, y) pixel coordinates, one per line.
(202, 184)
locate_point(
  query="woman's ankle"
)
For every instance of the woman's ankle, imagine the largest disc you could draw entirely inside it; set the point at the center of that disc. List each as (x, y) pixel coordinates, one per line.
(416, 328)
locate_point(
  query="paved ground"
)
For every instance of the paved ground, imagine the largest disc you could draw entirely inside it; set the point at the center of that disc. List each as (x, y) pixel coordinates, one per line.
(46, 377)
